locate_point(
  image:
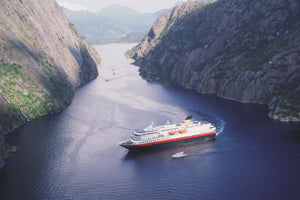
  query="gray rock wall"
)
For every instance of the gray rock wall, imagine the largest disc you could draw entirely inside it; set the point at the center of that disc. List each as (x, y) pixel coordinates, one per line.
(43, 58)
(242, 50)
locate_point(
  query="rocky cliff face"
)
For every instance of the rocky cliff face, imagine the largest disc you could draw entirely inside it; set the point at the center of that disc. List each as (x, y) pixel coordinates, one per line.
(43, 59)
(243, 50)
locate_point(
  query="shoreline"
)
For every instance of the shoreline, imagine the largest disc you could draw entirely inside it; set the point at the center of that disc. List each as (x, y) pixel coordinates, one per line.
(6, 149)
(270, 114)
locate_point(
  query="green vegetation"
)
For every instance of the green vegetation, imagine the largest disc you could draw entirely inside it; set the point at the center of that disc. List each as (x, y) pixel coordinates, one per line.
(167, 28)
(73, 29)
(263, 54)
(3, 24)
(130, 53)
(22, 17)
(163, 77)
(28, 38)
(12, 47)
(289, 105)
(9, 116)
(24, 93)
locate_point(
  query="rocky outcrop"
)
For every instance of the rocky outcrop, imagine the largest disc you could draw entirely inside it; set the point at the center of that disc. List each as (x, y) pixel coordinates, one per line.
(242, 50)
(43, 58)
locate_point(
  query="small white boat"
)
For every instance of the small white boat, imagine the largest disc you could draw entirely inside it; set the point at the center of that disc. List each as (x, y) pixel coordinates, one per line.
(179, 155)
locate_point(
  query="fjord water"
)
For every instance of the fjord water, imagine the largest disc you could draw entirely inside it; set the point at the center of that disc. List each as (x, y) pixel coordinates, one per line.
(74, 154)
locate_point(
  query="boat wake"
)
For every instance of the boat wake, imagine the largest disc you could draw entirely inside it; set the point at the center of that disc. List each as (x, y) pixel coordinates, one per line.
(179, 155)
(210, 117)
(220, 126)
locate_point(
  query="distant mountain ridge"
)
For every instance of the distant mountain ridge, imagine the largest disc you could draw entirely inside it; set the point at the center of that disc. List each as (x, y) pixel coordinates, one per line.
(242, 50)
(114, 23)
(43, 58)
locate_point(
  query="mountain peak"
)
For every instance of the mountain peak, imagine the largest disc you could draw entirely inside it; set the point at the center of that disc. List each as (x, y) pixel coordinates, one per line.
(117, 9)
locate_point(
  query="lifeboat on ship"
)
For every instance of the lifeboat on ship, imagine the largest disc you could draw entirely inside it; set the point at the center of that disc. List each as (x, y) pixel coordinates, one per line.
(172, 132)
(182, 130)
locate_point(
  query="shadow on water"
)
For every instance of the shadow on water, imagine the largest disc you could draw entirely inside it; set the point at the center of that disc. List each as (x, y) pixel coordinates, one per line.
(168, 151)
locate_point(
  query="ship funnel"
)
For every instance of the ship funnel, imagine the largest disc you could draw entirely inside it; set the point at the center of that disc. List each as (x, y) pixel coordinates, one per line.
(189, 117)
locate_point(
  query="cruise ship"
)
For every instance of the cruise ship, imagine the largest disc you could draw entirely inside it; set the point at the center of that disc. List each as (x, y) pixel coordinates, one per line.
(169, 134)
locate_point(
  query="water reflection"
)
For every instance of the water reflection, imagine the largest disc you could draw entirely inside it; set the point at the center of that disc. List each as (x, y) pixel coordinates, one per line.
(167, 151)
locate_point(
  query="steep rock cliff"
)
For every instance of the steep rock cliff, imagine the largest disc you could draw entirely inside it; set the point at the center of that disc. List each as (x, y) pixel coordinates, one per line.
(43, 58)
(243, 50)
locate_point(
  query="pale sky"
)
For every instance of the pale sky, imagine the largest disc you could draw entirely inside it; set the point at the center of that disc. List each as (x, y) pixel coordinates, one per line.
(139, 5)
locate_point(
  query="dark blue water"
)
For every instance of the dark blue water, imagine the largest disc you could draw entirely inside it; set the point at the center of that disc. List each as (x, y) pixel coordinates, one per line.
(74, 154)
